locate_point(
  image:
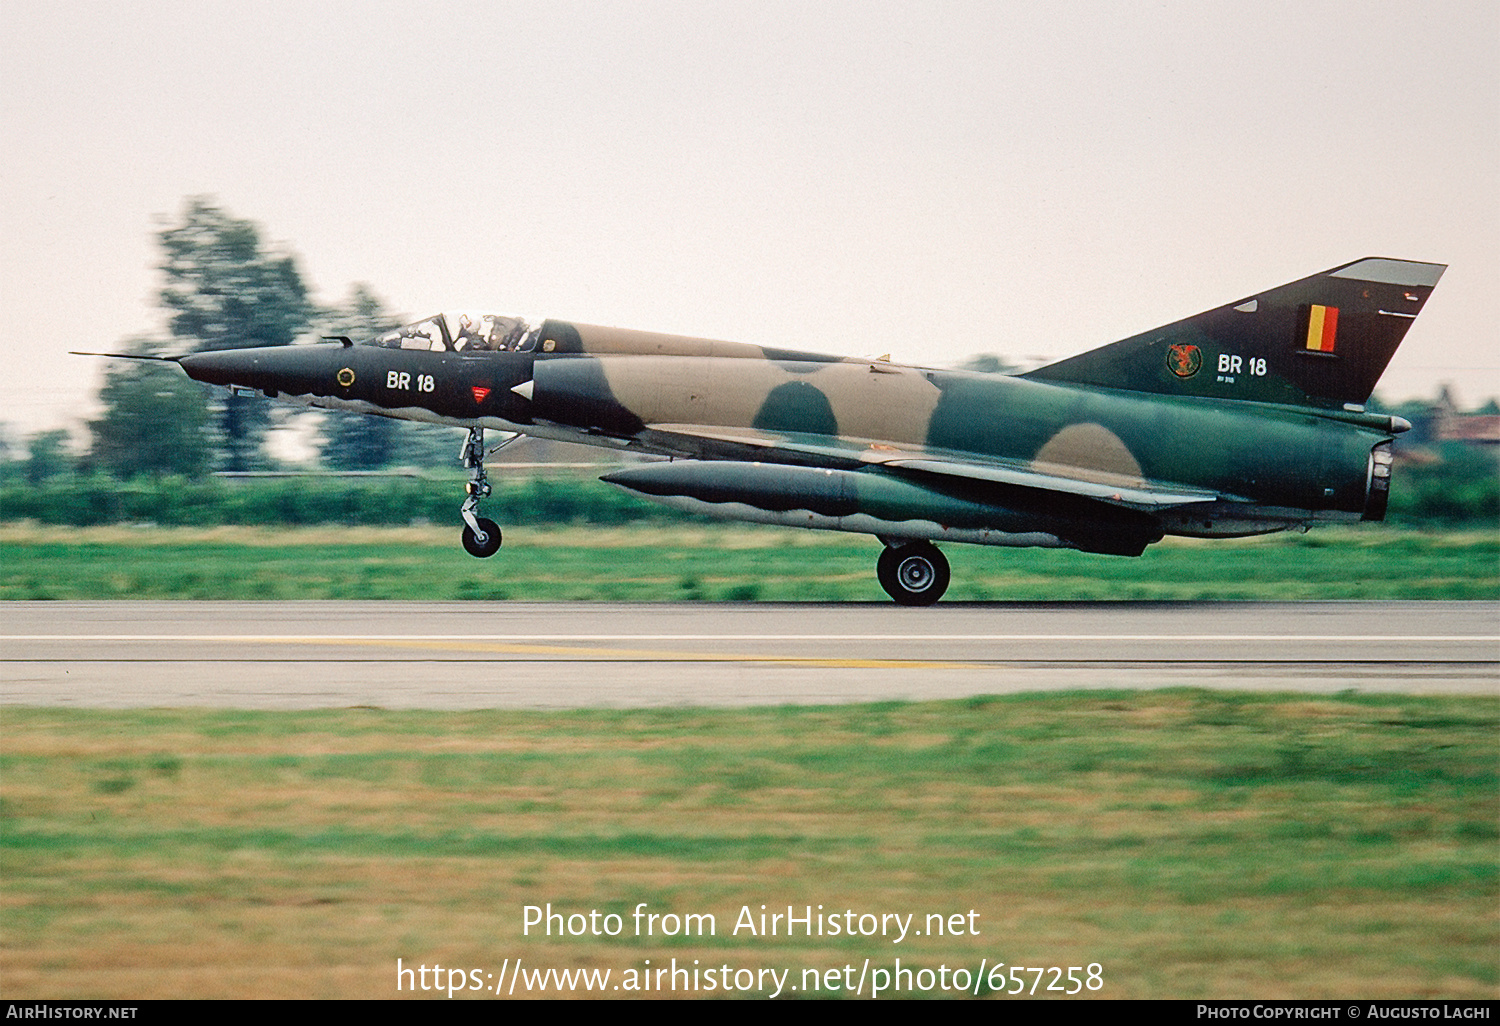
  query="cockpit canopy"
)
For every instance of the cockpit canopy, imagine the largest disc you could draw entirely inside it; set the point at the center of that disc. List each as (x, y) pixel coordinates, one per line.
(463, 332)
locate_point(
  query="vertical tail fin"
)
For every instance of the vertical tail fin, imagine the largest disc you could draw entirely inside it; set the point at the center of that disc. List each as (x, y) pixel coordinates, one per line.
(1322, 341)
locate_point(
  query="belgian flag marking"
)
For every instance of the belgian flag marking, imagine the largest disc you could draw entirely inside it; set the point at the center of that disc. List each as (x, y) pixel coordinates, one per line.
(1322, 328)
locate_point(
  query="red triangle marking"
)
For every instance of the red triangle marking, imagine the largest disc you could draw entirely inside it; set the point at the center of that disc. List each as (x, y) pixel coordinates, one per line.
(479, 393)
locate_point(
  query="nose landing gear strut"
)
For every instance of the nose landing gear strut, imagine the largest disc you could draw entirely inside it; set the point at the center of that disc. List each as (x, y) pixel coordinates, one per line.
(481, 535)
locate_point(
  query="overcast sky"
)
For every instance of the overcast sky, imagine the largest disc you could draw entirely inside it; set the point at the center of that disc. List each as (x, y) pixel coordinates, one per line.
(930, 180)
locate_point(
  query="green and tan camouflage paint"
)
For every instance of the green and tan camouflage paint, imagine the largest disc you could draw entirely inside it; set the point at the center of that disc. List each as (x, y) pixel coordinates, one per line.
(1248, 417)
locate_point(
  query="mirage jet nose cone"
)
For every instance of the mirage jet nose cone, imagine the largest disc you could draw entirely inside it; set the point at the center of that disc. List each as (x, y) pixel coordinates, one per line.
(272, 369)
(224, 367)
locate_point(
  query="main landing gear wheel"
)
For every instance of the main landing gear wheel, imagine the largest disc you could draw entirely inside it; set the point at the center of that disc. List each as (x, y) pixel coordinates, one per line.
(915, 574)
(486, 541)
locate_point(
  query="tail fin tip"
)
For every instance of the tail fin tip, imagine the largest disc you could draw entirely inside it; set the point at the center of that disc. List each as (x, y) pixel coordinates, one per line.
(1410, 273)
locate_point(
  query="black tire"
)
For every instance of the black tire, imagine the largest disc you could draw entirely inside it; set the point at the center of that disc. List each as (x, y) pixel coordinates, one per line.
(915, 574)
(490, 543)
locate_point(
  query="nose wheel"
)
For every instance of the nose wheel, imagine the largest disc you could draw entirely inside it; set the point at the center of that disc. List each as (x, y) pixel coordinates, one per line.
(481, 535)
(914, 574)
(483, 542)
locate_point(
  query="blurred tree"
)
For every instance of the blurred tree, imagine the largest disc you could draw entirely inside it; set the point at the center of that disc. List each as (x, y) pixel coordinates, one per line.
(12, 455)
(154, 421)
(1455, 484)
(355, 441)
(49, 454)
(434, 446)
(224, 290)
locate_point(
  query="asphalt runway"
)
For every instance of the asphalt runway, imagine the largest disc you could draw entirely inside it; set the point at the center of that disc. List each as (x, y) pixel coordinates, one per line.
(303, 655)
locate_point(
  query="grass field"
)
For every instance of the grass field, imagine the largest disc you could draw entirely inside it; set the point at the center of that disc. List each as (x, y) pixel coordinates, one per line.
(734, 563)
(1192, 844)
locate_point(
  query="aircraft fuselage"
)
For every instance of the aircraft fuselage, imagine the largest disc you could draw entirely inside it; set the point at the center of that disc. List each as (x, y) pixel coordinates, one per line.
(1269, 466)
(1245, 419)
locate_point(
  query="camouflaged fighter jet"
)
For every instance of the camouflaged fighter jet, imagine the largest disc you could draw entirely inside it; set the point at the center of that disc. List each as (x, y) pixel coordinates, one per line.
(1243, 420)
